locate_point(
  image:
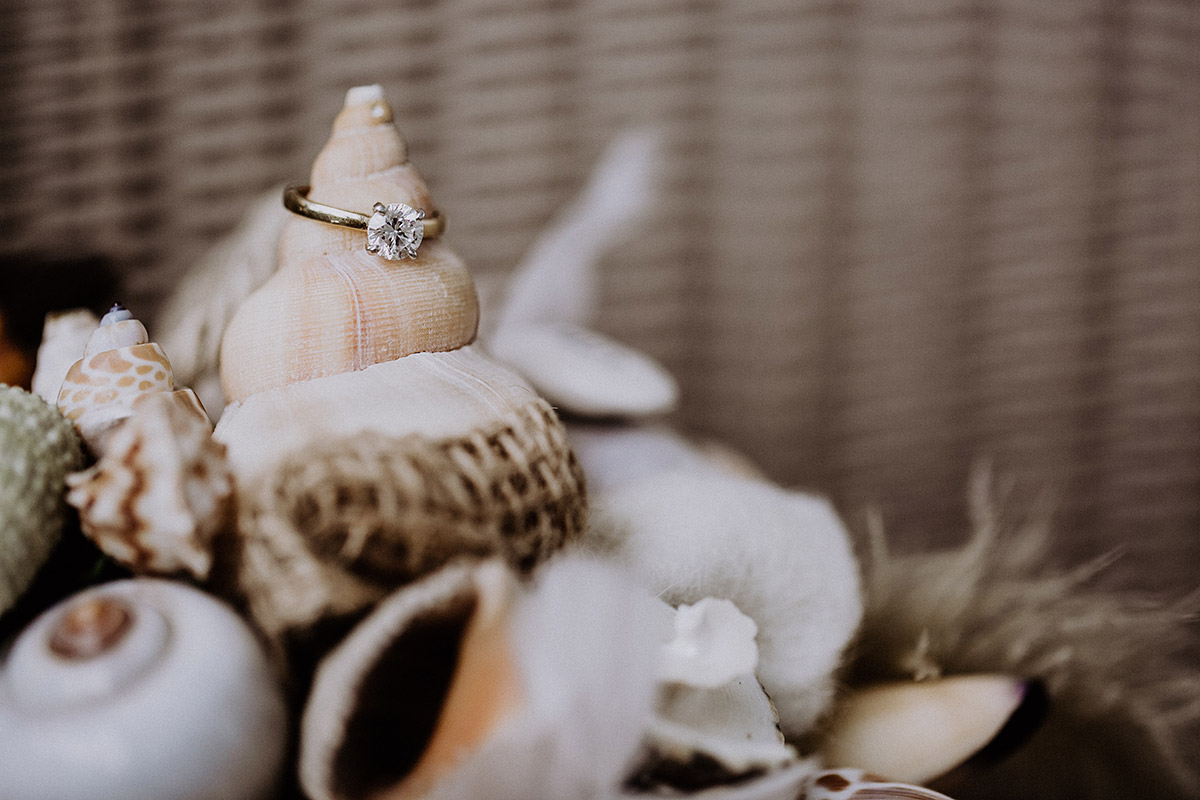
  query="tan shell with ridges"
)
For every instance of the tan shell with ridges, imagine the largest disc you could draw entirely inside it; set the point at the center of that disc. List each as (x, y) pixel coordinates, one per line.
(332, 307)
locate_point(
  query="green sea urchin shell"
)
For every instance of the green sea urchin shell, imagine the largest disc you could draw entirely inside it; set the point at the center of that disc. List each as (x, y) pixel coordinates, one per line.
(38, 447)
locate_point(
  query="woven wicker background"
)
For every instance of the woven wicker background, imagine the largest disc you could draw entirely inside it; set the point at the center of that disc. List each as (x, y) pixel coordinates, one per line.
(899, 235)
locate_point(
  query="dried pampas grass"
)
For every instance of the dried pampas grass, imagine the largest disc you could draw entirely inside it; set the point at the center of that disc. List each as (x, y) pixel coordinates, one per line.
(1120, 669)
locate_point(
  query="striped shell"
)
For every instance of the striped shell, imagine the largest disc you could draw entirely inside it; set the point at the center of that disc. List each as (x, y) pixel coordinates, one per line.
(161, 492)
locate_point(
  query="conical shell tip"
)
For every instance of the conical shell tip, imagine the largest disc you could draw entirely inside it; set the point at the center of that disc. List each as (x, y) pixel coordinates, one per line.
(361, 95)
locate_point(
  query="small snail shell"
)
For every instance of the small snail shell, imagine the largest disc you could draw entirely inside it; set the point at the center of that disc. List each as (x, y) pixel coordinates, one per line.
(139, 690)
(119, 366)
(39, 448)
(161, 492)
(332, 307)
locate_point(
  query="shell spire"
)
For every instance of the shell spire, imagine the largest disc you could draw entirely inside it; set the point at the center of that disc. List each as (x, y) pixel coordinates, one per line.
(333, 307)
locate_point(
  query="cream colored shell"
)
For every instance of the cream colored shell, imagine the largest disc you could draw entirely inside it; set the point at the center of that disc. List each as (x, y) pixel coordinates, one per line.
(332, 307)
(161, 492)
(118, 368)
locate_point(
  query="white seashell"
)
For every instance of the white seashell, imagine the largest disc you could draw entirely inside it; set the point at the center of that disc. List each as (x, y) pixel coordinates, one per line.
(542, 330)
(140, 690)
(584, 372)
(161, 492)
(916, 731)
(64, 338)
(713, 645)
(119, 366)
(713, 723)
(782, 557)
(436, 395)
(702, 737)
(546, 696)
(332, 307)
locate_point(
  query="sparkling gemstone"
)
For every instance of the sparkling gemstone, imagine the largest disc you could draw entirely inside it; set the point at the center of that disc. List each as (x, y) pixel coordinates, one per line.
(395, 231)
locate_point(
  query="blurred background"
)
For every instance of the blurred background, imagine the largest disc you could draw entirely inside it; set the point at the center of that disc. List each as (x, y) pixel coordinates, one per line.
(897, 237)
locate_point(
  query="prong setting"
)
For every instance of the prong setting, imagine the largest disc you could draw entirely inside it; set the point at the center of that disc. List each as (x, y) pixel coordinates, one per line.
(395, 231)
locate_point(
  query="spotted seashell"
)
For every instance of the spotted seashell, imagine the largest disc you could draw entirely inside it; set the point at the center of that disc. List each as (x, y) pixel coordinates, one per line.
(101, 388)
(38, 449)
(161, 492)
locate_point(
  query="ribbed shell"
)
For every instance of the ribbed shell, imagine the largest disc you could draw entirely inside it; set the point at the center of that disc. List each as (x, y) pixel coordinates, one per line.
(332, 307)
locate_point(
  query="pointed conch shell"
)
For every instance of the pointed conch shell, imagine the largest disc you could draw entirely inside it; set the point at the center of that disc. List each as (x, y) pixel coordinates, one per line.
(119, 366)
(161, 492)
(917, 731)
(332, 307)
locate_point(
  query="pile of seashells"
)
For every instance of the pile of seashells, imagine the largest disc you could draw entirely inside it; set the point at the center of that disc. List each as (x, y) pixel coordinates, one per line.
(377, 576)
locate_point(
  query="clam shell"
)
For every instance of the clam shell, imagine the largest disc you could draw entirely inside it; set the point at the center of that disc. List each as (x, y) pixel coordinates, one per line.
(161, 492)
(332, 307)
(64, 338)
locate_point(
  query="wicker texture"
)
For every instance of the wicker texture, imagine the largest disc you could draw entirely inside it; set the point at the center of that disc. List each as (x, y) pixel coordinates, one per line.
(343, 523)
(897, 236)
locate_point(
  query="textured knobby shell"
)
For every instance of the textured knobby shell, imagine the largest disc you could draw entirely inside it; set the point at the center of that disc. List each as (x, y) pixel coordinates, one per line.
(339, 525)
(332, 307)
(39, 448)
(468, 685)
(161, 492)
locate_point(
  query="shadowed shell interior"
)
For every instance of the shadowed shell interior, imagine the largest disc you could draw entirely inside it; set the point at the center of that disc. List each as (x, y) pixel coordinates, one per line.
(389, 729)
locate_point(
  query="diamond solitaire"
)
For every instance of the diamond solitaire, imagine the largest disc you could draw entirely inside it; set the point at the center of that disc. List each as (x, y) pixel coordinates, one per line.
(395, 231)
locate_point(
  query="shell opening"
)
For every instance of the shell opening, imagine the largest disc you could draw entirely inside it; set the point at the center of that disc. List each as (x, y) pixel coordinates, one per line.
(399, 701)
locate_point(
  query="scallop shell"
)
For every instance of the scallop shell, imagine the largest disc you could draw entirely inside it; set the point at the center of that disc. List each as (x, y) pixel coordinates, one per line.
(161, 492)
(120, 365)
(332, 307)
(39, 448)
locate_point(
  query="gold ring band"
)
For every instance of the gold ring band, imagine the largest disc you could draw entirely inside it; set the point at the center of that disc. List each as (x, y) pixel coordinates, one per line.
(394, 230)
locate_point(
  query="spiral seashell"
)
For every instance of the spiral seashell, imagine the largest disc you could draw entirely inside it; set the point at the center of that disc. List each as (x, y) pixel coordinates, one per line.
(161, 492)
(119, 366)
(140, 690)
(39, 448)
(332, 307)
